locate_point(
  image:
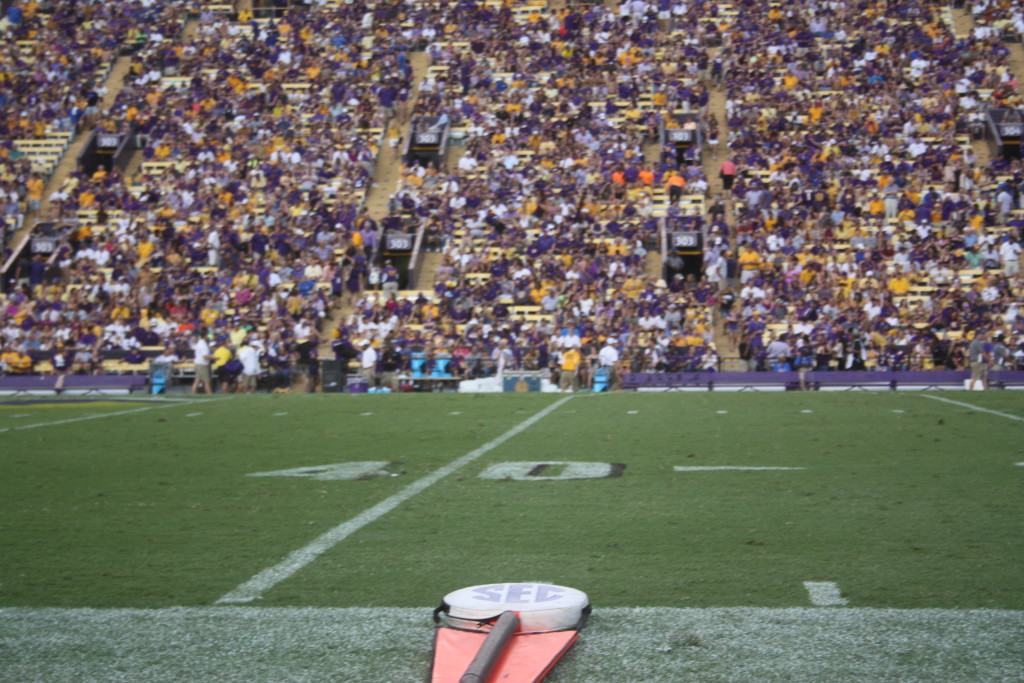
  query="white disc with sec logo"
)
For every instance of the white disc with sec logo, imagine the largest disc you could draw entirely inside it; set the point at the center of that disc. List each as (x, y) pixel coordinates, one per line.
(541, 606)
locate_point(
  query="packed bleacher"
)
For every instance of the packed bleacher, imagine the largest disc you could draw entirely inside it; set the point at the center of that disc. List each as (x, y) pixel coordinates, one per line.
(858, 222)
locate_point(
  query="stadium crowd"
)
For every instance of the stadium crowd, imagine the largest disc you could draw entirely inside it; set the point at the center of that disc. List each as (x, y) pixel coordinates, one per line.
(855, 228)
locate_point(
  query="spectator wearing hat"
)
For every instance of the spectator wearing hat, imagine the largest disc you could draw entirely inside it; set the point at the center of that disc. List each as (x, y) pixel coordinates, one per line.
(608, 360)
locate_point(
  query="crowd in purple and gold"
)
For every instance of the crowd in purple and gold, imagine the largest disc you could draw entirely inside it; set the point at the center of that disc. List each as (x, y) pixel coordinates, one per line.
(856, 224)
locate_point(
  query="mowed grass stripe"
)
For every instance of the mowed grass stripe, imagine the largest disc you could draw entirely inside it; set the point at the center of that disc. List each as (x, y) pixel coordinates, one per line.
(653, 645)
(86, 407)
(155, 510)
(268, 578)
(999, 413)
(899, 509)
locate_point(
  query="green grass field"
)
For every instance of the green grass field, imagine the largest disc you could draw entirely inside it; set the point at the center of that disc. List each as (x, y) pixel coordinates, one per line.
(133, 545)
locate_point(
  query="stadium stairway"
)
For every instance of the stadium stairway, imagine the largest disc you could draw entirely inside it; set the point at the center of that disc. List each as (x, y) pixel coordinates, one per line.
(728, 353)
(963, 23)
(68, 162)
(385, 182)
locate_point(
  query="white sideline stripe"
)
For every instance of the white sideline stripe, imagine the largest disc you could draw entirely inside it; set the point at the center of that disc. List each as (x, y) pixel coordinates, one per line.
(824, 593)
(1018, 418)
(649, 644)
(708, 468)
(268, 578)
(94, 417)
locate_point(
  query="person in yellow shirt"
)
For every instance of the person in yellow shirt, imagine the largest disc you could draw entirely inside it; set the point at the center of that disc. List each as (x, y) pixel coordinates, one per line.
(15, 362)
(569, 379)
(899, 284)
(34, 188)
(876, 207)
(221, 355)
(749, 263)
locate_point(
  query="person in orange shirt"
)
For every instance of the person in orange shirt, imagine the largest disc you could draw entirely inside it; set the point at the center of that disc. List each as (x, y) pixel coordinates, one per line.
(647, 177)
(675, 183)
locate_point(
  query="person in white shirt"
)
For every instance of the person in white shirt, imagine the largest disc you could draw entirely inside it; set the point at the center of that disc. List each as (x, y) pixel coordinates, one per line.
(608, 359)
(167, 356)
(249, 357)
(1009, 256)
(368, 364)
(201, 358)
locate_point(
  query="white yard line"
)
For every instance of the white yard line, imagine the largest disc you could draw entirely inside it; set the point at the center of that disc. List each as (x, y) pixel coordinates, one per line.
(96, 417)
(1018, 418)
(270, 577)
(824, 593)
(708, 468)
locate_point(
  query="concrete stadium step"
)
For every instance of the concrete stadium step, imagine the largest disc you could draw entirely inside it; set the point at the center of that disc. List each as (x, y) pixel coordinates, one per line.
(389, 163)
(430, 261)
(653, 265)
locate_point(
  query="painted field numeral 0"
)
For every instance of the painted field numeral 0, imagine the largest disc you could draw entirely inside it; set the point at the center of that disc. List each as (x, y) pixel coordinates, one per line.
(551, 470)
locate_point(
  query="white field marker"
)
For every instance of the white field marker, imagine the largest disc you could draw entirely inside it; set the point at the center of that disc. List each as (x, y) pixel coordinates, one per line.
(270, 577)
(824, 594)
(708, 468)
(806, 411)
(96, 417)
(897, 411)
(193, 415)
(280, 414)
(1020, 464)
(16, 416)
(1018, 418)
(366, 414)
(722, 412)
(340, 471)
(455, 412)
(632, 412)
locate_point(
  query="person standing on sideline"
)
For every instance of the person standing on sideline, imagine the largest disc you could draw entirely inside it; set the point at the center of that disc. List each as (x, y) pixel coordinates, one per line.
(727, 173)
(201, 359)
(249, 357)
(368, 364)
(804, 363)
(608, 359)
(569, 379)
(979, 355)
(390, 364)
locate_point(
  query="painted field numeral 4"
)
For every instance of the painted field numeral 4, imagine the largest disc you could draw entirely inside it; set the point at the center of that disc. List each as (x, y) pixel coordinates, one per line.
(341, 471)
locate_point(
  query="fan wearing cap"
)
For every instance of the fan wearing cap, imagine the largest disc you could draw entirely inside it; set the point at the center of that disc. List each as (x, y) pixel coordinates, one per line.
(608, 359)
